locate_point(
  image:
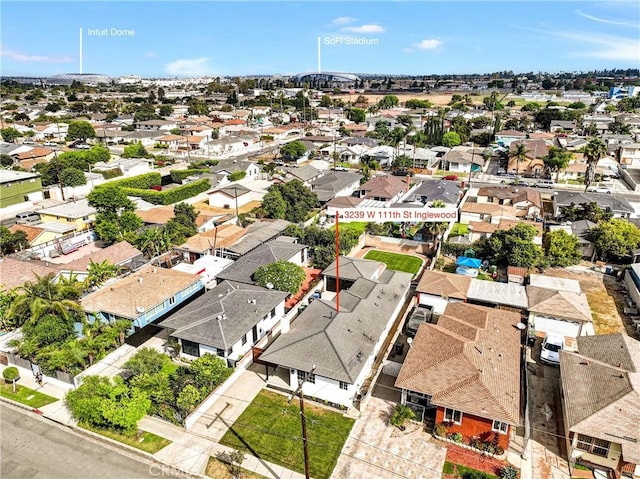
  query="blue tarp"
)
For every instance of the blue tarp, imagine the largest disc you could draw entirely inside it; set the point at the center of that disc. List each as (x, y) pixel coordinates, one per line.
(468, 262)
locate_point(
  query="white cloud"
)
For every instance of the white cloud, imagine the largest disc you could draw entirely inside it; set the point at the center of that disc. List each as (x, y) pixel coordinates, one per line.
(24, 58)
(189, 67)
(606, 20)
(367, 28)
(430, 44)
(606, 47)
(343, 20)
(152, 55)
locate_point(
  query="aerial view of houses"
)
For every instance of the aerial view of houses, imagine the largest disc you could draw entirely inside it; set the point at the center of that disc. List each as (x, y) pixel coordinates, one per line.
(211, 269)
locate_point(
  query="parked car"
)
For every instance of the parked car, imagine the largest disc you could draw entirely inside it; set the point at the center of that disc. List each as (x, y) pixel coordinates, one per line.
(551, 346)
(544, 184)
(450, 177)
(601, 189)
(403, 173)
(28, 217)
(420, 314)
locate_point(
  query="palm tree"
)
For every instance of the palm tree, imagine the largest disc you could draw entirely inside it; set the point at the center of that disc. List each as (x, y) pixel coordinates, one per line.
(153, 241)
(44, 296)
(436, 229)
(100, 272)
(594, 150)
(520, 154)
(120, 326)
(557, 159)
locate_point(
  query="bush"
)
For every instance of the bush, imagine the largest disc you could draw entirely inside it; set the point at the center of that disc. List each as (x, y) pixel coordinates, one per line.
(456, 437)
(142, 182)
(400, 415)
(237, 175)
(508, 472)
(178, 175)
(440, 430)
(112, 173)
(11, 374)
(172, 196)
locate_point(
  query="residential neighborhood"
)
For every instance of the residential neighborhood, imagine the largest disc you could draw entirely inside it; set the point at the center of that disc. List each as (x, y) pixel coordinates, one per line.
(191, 269)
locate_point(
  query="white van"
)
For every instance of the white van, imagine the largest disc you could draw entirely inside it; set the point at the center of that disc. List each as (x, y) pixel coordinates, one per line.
(27, 217)
(544, 184)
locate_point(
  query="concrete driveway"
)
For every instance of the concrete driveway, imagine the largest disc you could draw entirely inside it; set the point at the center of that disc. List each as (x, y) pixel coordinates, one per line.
(548, 450)
(376, 449)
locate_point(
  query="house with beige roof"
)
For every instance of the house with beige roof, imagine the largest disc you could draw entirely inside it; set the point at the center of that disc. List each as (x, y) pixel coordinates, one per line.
(488, 212)
(385, 190)
(526, 201)
(437, 289)
(143, 296)
(464, 371)
(532, 165)
(600, 393)
(560, 312)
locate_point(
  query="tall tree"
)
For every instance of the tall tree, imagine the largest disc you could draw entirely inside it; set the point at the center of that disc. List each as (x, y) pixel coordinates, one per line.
(561, 248)
(80, 130)
(593, 151)
(556, 159)
(614, 239)
(519, 153)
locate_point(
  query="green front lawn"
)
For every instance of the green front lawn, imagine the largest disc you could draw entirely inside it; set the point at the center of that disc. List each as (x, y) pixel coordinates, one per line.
(147, 442)
(396, 261)
(448, 469)
(270, 429)
(26, 396)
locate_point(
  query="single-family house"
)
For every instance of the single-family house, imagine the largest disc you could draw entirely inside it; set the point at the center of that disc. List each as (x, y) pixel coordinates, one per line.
(233, 195)
(618, 206)
(334, 184)
(493, 213)
(580, 229)
(526, 201)
(465, 371)
(629, 155)
(437, 289)
(16, 272)
(304, 173)
(350, 269)
(532, 165)
(504, 138)
(384, 190)
(156, 125)
(143, 297)
(282, 248)
(78, 214)
(19, 187)
(121, 254)
(562, 125)
(210, 242)
(331, 349)
(226, 167)
(227, 321)
(429, 191)
(553, 308)
(463, 159)
(600, 394)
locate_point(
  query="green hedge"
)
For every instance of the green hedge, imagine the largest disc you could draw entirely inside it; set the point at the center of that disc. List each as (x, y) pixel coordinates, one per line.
(142, 182)
(169, 197)
(178, 175)
(237, 175)
(113, 173)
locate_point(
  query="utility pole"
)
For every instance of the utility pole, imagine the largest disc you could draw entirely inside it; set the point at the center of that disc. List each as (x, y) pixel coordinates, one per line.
(304, 421)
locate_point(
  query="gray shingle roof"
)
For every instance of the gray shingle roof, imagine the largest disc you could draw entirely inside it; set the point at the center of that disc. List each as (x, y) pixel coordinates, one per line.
(243, 268)
(353, 268)
(258, 233)
(242, 305)
(437, 190)
(326, 186)
(602, 399)
(604, 200)
(340, 343)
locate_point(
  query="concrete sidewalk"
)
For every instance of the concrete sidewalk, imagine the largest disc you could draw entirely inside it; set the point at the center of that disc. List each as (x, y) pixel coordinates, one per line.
(189, 451)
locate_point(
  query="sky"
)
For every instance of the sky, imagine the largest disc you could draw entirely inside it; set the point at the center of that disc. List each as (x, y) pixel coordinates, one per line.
(227, 38)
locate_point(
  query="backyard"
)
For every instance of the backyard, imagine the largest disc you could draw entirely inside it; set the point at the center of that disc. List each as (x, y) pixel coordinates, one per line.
(270, 429)
(396, 261)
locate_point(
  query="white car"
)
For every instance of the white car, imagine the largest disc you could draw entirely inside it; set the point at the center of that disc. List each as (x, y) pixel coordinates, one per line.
(551, 347)
(601, 189)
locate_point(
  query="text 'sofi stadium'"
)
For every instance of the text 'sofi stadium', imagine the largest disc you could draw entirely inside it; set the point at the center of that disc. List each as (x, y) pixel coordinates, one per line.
(330, 77)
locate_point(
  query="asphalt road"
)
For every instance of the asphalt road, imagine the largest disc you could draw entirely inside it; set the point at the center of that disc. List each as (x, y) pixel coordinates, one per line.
(35, 448)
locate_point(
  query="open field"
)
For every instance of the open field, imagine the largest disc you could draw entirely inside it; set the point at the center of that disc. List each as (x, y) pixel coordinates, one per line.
(270, 429)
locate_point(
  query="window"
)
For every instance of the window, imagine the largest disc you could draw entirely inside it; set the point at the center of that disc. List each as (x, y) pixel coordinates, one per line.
(343, 385)
(190, 348)
(501, 427)
(597, 447)
(172, 300)
(273, 313)
(220, 352)
(244, 339)
(451, 415)
(305, 377)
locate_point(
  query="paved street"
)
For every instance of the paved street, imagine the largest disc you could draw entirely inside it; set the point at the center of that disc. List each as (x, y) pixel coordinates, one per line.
(34, 447)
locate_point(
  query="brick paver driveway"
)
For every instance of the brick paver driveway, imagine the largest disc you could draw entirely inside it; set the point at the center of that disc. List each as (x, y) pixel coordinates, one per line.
(376, 449)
